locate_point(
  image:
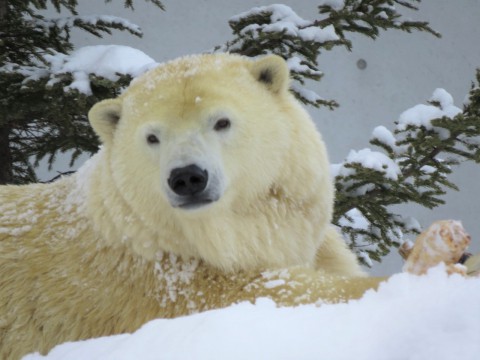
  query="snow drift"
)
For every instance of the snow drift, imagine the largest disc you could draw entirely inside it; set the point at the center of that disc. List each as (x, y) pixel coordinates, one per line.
(410, 317)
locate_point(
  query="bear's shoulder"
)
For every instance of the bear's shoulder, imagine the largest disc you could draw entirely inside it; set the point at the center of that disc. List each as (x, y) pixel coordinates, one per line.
(41, 210)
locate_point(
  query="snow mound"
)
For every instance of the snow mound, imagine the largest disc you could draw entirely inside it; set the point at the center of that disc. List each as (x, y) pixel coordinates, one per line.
(410, 317)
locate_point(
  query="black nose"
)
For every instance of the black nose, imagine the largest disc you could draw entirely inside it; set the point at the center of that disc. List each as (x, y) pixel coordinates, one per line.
(188, 180)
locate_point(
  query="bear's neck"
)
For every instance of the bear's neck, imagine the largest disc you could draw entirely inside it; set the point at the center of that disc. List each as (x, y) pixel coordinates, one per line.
(113, 218)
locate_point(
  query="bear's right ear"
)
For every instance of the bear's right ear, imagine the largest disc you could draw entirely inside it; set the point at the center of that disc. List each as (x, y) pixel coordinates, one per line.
(104, 117)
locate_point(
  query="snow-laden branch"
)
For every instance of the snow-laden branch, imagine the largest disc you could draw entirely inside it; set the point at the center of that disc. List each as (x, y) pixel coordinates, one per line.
(412, 166)
(106, 61)
(277, 29)
(283, 19)
(95, 24)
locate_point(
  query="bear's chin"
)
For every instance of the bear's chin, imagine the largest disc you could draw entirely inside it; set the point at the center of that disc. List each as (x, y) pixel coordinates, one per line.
(194, 203)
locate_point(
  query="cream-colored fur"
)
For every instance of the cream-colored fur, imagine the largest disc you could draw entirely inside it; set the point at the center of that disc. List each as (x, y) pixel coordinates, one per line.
(109, 248)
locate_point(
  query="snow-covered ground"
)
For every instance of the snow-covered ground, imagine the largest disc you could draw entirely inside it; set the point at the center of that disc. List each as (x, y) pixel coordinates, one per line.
(431, 317)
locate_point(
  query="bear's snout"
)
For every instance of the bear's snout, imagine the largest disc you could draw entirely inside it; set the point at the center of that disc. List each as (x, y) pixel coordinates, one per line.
(188, 181)
(189, 184)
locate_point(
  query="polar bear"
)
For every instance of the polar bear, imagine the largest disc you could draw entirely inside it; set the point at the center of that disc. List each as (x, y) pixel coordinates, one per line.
(236, 172)
(212, 187)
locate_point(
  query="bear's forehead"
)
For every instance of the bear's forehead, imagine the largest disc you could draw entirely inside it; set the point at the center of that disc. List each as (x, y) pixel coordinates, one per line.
(195, 81)
(190, 69)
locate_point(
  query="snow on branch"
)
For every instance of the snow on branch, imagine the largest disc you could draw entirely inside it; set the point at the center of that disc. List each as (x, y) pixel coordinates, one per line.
(105, 61)
(277, 29)
(369, 17)
(334, 4)
(94, 24)
(413, 167)
(283, 19)
(421, 116)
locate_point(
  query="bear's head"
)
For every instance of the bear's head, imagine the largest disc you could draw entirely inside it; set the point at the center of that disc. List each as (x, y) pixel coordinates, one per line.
(194, 144)
(198, 131)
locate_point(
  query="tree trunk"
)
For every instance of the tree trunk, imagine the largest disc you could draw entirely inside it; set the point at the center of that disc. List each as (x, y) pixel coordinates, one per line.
(5, 156)
(3, 9)
(6, 175)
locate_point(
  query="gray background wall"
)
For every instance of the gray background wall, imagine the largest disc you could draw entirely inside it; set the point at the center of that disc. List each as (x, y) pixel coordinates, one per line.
(402, 71)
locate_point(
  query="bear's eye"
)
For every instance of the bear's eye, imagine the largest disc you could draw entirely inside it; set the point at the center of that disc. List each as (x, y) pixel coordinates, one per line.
(152, 139)
(222, 124)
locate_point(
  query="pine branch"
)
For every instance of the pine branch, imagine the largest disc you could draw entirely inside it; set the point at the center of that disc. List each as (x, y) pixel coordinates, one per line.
(368, 17)
(413, 168)
(129, 4)
(33, 50)
(95, 25)
(277, 29)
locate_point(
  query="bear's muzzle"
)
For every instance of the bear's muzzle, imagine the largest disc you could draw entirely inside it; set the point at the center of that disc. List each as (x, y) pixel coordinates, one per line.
(189, 183)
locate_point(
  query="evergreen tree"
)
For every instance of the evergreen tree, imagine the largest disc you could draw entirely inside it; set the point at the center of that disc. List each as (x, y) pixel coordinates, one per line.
(415, 160)
(39, 114)
(277, 29)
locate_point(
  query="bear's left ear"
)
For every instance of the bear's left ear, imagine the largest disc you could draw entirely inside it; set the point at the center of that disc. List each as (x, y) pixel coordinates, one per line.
(104, 117)
(272, 71)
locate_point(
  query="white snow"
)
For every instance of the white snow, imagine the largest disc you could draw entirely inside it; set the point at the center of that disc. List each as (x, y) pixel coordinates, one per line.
(354, 219)
(274, 283)
(279, 13)
(418, 116)
(384, 135)
(295, 64)
(107, 61)
(319, 35)
(427, 169)
(96, 19)
(410, 317)
(369, 159)
(421, 115)
(383, 15)
(178, 273)
(71, 21)
(410, 223)
(305, 93)
(443, 97)
(283, 18)
(102, 60)
(334, 4)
